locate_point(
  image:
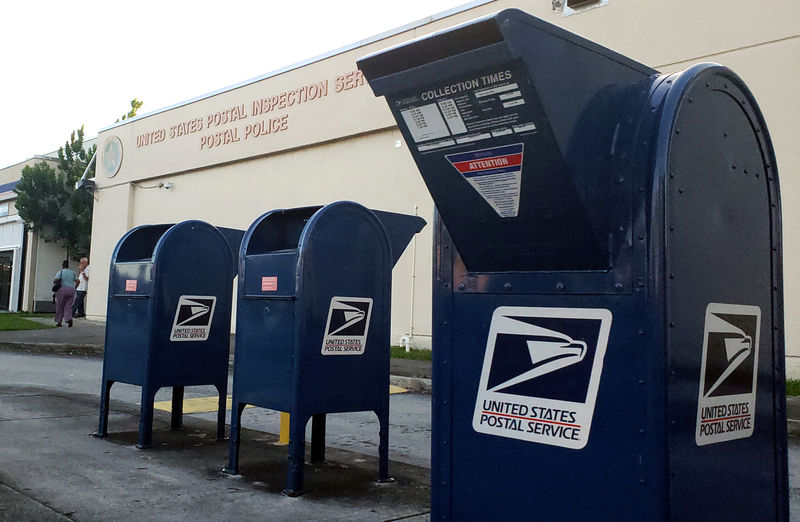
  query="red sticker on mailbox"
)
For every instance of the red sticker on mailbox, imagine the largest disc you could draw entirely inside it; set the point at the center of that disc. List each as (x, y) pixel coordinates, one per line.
(269, 284)
(130, 285)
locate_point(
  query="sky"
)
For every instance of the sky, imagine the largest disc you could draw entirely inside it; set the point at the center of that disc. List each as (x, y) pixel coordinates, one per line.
(73, 63)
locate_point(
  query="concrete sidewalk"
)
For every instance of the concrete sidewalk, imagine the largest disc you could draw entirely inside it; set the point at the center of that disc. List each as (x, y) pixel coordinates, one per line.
(87, 338)
(53, 469)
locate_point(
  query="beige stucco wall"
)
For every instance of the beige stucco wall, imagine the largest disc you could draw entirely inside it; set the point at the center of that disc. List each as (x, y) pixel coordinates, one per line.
(343, 145)
(13, 172)
(41, 259)
(47, 262)
(234, 195)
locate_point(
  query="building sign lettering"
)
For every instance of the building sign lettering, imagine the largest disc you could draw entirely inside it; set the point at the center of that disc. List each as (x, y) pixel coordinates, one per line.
(351, 80)
(257, 123)
(150, 138)
(185, 127)
(306, 93)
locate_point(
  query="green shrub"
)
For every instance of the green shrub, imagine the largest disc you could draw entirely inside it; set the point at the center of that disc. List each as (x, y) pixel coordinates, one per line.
(398, 352)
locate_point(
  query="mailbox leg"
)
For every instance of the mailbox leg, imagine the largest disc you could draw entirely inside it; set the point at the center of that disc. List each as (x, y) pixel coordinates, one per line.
(176, 422)
(221, 408)
(105, 397)
(383, 446)
(297, 455)
(318, 438)
(236, 419)
(146, 418)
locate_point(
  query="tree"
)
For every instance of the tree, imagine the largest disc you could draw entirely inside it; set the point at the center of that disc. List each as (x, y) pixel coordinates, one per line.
(40, 196)
(135, 104)
(48, 202)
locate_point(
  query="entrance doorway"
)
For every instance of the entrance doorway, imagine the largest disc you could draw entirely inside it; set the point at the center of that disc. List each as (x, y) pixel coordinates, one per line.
(6, 263)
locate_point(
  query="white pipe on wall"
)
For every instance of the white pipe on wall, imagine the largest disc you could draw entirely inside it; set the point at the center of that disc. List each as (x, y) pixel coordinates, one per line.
(407, 339)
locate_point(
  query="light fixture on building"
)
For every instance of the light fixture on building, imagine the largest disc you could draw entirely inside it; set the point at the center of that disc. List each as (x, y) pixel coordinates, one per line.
(86, 184)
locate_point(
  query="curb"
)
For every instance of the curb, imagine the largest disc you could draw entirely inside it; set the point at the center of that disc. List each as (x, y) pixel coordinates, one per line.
(15, 505)
(793, 428)
(416, 384)
(412, 384)
(91, 350)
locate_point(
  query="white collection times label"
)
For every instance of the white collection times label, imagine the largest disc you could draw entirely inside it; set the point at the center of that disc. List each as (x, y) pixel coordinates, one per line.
(727, 394)
(541, 372)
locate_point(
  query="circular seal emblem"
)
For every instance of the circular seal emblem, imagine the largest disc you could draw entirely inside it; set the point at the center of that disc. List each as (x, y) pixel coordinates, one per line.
(112, 156)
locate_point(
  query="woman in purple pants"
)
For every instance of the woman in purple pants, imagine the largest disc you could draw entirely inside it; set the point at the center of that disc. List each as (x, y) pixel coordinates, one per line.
(66, 294)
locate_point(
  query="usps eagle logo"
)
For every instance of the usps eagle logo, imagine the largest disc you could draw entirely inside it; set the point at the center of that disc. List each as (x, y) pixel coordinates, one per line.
(193, 318)
(541, 373)
(347, 326)
(728, 373)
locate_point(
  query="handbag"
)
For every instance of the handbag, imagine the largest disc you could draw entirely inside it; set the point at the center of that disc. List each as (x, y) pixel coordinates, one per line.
(57, 284)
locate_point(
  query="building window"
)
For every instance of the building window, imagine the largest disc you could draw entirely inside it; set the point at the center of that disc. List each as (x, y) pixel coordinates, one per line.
(571, 7)
(3, 209)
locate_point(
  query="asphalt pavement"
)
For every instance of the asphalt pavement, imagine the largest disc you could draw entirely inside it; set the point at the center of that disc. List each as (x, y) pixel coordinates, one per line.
(53, 468)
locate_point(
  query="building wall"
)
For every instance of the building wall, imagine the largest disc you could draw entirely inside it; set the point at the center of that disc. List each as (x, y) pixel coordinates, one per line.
(33, 280)
(43, 261)
(329, 138)
(13, 172)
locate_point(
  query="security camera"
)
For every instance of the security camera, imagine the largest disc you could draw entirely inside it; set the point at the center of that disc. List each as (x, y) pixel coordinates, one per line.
(85, 184)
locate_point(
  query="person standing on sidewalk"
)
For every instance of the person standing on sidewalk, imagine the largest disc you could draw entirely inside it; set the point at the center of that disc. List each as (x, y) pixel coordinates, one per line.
(78, 308)
(65, 293)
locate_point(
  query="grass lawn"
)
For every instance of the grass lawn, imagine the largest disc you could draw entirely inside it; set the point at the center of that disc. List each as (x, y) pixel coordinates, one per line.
(17, 321)
(398, 352)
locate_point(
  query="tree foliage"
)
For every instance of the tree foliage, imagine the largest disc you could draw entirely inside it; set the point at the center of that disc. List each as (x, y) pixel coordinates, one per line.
(74, 228)
(135, 104)
(40, 196)
(48, 202)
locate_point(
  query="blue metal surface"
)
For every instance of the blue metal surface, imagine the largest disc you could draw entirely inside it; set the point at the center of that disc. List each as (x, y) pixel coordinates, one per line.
(299, 271)
(168, 318)
(648, 197)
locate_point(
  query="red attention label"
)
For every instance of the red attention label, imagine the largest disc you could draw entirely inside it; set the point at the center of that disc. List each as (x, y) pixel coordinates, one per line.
(269, 284)
(130, 285)
(488, 164)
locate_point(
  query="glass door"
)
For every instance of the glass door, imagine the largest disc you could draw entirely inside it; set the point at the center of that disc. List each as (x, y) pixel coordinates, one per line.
(6, 263)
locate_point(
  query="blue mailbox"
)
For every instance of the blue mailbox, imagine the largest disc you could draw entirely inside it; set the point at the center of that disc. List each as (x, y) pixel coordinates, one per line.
(313, 321)
(608, 317)
(169, 316)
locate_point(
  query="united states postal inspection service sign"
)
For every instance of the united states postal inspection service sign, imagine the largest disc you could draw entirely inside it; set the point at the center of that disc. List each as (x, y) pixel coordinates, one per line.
(541, 372)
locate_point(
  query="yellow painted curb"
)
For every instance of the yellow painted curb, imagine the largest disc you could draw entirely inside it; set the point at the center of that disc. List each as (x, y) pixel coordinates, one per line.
(209, 404)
